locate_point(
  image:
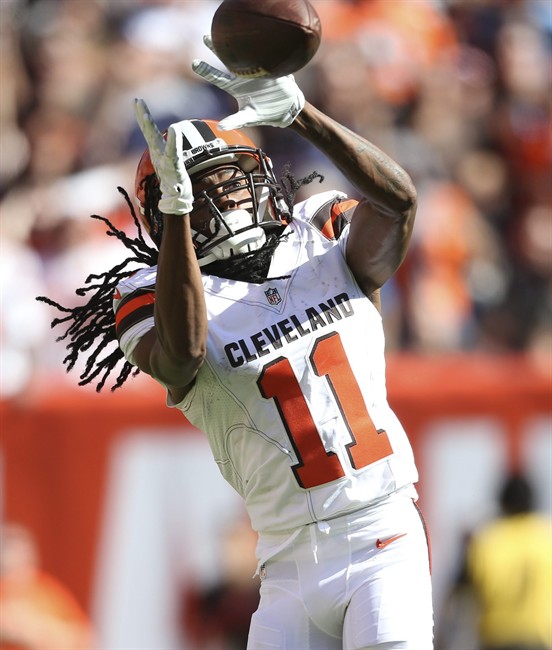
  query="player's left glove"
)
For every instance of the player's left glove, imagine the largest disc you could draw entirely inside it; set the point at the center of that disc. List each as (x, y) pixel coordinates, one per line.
(261, 101)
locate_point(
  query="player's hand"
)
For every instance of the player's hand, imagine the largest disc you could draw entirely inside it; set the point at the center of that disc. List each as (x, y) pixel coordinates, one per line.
(261, 101)
(166, 156)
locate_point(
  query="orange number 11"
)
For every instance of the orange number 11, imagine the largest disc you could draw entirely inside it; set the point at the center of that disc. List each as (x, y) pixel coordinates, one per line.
(317, 466)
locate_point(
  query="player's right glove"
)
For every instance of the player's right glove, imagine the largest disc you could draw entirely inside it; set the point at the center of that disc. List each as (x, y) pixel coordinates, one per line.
(261, 100)
(175, 184)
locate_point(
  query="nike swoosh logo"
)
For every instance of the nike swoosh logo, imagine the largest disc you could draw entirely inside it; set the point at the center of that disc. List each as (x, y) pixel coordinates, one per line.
(382, 543)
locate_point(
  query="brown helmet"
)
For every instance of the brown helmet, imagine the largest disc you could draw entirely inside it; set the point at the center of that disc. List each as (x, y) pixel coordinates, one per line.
(204, 146)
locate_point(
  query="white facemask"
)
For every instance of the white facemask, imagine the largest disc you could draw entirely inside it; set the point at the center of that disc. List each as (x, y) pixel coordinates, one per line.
(243, 242)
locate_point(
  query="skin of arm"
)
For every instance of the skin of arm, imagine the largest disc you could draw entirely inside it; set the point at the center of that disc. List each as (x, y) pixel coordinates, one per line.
(382, 223)
(174, 350)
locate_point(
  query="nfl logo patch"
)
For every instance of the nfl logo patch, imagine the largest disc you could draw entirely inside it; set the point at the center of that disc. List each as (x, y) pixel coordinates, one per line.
(273, 296)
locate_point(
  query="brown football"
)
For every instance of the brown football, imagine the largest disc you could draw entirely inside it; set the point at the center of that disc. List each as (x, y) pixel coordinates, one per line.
(265, 38)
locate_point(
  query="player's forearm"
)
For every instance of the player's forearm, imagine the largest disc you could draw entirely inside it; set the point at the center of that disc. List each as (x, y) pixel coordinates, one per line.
(372, 172)
(180, 314)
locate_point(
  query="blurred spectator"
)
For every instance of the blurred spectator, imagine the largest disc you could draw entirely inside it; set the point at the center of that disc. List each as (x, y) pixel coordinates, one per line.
(219, 616)
(37, 611)
(398, 41)
(16, 91)
(160, 40)
(24, 324)
(507, 570)
(457, 263)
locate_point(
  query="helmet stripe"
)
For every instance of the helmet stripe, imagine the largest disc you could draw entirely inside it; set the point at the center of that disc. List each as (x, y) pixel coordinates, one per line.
(205, 130)
(194, 135)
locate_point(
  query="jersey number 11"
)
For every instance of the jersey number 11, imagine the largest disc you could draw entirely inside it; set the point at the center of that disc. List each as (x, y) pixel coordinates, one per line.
(317, 466)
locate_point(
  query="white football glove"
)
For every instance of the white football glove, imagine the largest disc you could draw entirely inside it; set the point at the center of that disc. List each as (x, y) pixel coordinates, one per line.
(176, 187)
(262, 101)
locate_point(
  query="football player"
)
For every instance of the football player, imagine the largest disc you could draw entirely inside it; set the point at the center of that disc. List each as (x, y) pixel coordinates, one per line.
(261, 318)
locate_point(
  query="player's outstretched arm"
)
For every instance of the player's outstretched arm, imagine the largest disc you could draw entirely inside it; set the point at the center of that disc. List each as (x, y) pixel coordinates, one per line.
(382, 223)
(174, 350)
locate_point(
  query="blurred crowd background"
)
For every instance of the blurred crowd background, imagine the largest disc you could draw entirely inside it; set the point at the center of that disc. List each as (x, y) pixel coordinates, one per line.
(458, 91)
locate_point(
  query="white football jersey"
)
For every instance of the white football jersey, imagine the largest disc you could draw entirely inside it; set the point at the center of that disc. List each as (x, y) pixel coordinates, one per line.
(292, 392)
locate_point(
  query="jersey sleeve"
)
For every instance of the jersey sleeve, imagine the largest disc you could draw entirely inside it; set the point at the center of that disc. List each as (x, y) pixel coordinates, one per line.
(328, 212)
(133, 304)
(332, 218)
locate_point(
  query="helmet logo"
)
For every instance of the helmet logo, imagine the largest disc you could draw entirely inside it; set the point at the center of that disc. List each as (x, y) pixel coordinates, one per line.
(203, 147)
(189, 154)
(273, 296)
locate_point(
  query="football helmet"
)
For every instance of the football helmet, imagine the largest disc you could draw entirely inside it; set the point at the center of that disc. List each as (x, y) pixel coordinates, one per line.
(230, 232)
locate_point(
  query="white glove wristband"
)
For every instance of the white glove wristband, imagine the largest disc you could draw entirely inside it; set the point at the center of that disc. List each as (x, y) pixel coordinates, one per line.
(174, 205)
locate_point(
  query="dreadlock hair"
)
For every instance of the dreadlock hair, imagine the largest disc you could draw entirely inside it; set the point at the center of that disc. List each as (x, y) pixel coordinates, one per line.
(152, 193)
(291, 185)
(94, 322)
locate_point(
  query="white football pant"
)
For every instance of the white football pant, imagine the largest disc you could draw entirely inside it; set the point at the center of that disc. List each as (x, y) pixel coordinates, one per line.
(355, 582)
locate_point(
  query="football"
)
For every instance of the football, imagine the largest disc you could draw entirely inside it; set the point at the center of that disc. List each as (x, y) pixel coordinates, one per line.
(265, 38)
